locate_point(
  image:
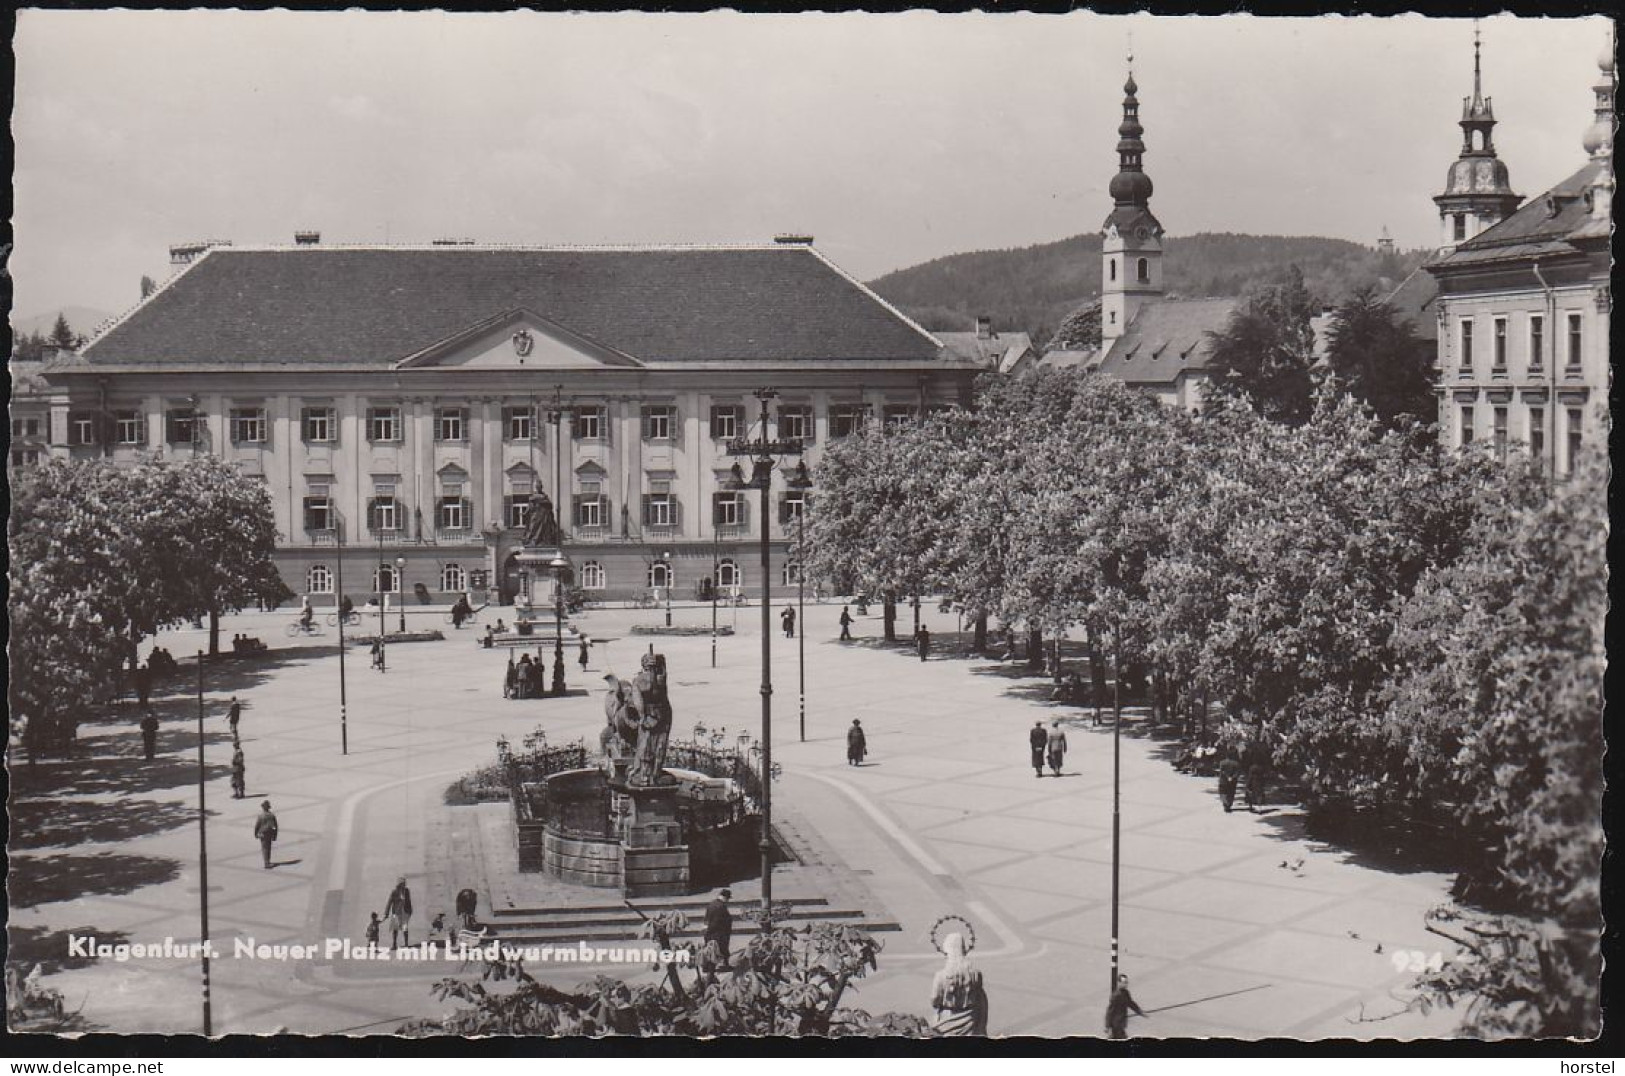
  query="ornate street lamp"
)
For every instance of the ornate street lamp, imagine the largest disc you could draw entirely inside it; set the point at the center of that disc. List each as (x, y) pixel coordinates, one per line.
(761, 453)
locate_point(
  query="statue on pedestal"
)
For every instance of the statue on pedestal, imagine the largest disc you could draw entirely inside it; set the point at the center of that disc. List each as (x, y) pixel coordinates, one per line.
(653, 705)
(541, 525)
(621, 720)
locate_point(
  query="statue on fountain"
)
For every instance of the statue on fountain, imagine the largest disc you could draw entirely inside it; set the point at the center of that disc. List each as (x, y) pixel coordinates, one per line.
(541, 525)
(621, 720)
(653, 705)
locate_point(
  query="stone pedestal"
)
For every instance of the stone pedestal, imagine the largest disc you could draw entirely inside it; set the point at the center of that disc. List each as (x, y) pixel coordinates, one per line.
(654, 859)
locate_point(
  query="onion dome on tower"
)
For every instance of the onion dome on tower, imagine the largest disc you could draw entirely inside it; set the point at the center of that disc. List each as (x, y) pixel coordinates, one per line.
(1131, 237)
(1478, 192)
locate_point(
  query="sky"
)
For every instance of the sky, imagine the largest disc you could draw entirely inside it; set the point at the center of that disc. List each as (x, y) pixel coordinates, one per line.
(892, 138)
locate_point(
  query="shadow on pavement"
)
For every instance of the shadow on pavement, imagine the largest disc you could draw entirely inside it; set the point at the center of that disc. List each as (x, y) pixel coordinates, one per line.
(1363, 839)
(54, 823)
(125, 774)
(28, 946)
(42, 879)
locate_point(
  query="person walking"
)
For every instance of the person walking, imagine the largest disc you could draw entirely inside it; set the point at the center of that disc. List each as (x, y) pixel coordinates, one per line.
(719, 926)
(1117, 1010)
(788, 619)
(239, 774)
(378, 654)
(958, 996)
(846, 624)
(233, 717)
(857, 745)
(582, 657)
(1055, 747)
(149, 734)
(265, 830)
(398, 910)
(143, 685)
(1229, 775)
(1037, 740)
(1255, 780)
(922, 640)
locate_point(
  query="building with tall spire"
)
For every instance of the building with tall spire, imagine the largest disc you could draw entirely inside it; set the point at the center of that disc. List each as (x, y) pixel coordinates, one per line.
(1478, 193)
(1523, 313)
(1148, 340)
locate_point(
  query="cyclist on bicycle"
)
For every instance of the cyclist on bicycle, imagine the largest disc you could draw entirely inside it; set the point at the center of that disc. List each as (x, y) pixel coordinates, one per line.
(307, 617)
(346, 607)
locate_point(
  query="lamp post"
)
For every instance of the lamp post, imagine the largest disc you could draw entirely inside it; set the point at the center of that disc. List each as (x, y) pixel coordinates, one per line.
(716, 584)
(400, 590)
(383, 566)
(558, 564)
(801, 610)
(203, 855)
(344, 707)
(665, 558)
(1117, 782)
(761, 452)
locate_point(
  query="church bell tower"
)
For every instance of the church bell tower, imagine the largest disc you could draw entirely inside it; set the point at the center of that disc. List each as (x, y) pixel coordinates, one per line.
(1477, 194)
(1131, 237)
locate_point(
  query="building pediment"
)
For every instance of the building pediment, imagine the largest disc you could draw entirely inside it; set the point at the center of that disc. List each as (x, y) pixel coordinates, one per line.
(517, 340)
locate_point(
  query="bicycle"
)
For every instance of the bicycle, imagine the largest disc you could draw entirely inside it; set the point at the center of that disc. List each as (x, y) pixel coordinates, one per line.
(299, 627)
(643, 599)
(351, 619)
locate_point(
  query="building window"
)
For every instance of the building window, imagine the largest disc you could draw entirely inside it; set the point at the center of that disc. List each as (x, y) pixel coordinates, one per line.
(383, 580)
(318, 580)
(449, 425)
(660, 505)
(591, 506)
(181, 426)
(452, 513)
(1537, 341)
(24, 427)
(728, 509)
(792, 502)
(1576, 437)
(661, 575)
(791, 573)
(383, 424)
(1111, 269)
(1499, 346)
(1460, 227)
(1537, 433)
(1466, 363)
(591, 424)
(898, 415)
(1500, 432)
(318, 509)
(247, 425)
(129, 428)
(319, 425)
(384, 510)
(796, 422)
(1572, 365)
(24, 457)
(592, 576)
(657, 422)
(729, 576)
(453, 579)
(847, 419)
(1142, 271)
(725, 422)
(81, 429)
(518, 423)
(1466, 424)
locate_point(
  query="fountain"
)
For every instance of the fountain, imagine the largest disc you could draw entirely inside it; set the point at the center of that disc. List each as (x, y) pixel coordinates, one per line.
(632, 822)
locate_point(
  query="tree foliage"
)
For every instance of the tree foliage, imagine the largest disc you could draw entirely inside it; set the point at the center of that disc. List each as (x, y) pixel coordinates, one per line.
(1372, 352)
(1392, 626)
(1267, 351)
(784, 982)
(102, 555)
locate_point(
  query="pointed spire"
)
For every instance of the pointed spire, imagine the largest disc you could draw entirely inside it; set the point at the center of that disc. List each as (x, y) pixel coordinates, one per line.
(1478, 74)
(1131, 186)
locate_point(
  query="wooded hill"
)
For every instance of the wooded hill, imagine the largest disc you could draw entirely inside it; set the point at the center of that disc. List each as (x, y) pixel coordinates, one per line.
(1032, 288)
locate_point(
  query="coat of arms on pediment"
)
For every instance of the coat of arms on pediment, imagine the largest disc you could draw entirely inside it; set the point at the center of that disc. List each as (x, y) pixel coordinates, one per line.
(523, 343)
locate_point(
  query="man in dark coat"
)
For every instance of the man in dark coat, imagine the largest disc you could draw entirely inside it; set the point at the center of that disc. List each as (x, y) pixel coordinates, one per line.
(233, 716)
(1038, 739)
(922, 639)
(398, 910)
(143, 685)
(1117, 1010)
(846, 624)
(149, 734)
(788, 619)
(719, 925)
(1229, 774)
(265, 830)
(239, 775)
